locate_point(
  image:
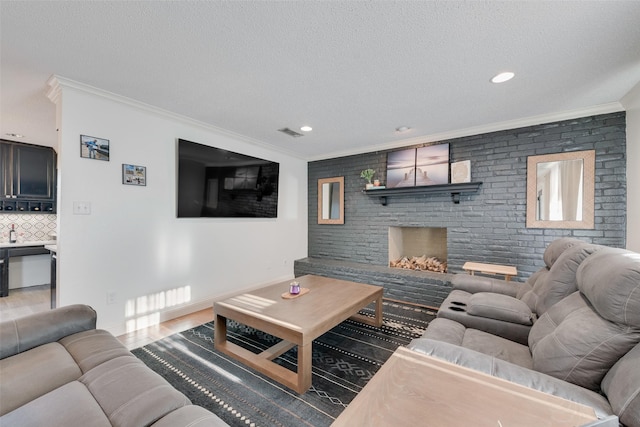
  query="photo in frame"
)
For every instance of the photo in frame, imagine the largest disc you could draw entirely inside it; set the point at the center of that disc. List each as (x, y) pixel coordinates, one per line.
(400, 168)
(432, 165)
(134, 175)
(94, 148)
(417, 167)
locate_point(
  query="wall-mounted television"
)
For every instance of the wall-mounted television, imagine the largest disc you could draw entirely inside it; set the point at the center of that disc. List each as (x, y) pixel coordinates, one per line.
(213, 182)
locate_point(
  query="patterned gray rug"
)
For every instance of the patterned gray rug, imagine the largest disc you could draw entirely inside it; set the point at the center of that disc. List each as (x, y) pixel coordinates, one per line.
(344, 359)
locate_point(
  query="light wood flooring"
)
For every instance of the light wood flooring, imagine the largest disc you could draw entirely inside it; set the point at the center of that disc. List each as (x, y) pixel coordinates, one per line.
(150, 334)
(24, 301)
(34, 299)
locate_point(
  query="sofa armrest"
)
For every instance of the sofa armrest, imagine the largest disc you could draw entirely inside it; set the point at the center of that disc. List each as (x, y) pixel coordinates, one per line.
(513, 373)
(36, 329)
(475, 284)
(500, 307)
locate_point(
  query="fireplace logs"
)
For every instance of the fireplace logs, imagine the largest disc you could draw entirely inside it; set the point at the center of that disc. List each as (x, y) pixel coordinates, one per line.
(420, 263)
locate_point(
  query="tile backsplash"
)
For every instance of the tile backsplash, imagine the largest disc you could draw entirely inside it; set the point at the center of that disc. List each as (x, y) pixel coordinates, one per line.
(29, 227)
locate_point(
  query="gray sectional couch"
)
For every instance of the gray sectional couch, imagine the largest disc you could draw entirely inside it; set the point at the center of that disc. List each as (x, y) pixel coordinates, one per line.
(58, 370)
(584, 346)
(509, 309)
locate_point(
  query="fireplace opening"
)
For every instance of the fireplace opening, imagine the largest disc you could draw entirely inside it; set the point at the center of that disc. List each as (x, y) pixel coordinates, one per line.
(418, 248)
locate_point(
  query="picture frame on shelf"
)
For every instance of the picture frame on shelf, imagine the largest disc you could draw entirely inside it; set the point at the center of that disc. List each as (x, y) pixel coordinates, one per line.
(94, 148)
(418, 167)
(432, 165)
(461, 172)
(400, 168)
(134, 175)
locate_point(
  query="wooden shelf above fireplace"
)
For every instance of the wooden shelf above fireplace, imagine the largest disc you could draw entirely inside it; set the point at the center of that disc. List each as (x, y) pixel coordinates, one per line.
(453, 189)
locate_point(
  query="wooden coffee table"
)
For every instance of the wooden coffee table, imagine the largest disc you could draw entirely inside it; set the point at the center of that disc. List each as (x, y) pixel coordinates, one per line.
(297, 321)
(413, 389)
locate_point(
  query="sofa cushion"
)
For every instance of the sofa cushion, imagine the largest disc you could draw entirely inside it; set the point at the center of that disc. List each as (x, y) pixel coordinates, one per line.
(92, 348)
(622, 387)
(130, 393)
(49, 367)
(498, 347)
(452, 332)
(613, 291)
(557, 248)
(500, 307)
(191, 416)
(528, 285)
(560, 281)
(572, 342)
(550, 256)
(68, 405)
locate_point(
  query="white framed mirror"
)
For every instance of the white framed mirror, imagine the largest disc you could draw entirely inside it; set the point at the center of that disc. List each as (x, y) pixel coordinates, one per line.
(331, 200)
(560, 190)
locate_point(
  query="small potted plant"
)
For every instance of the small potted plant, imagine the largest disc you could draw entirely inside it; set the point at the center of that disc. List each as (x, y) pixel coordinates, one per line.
(368, 174)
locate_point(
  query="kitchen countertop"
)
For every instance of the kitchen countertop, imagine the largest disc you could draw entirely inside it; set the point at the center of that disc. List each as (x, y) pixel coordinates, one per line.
(4, 245)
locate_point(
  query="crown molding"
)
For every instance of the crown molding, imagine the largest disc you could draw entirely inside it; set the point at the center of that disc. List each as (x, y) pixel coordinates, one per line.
(631, 101)
(611, 107)
(57, 83)
(54, 89)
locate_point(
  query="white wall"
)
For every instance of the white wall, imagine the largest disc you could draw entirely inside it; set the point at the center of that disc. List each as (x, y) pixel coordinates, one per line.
(132, 246)
(631, 103)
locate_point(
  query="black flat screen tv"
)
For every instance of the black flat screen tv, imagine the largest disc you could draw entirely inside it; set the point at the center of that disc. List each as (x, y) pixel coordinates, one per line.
(213, 182)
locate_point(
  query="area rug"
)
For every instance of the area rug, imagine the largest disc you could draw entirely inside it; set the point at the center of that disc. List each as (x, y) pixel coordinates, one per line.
(344, 359)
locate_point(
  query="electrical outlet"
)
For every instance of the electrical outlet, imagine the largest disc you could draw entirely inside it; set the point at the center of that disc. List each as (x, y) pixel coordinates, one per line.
(111, 297)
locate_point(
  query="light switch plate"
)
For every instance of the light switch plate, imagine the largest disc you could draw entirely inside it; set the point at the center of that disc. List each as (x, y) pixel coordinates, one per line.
(82, 208)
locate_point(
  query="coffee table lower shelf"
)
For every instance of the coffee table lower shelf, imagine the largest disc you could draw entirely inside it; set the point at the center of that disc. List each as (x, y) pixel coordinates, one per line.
(299, 381)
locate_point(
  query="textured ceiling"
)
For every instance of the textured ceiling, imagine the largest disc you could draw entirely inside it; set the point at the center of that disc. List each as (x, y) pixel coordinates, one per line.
(353, 70)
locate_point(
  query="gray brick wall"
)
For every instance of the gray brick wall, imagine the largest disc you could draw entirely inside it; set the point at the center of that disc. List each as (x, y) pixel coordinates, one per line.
(487, 226)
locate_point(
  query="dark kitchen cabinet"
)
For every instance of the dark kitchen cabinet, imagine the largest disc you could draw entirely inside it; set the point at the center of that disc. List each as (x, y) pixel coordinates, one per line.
(4, 168)
(28, 178)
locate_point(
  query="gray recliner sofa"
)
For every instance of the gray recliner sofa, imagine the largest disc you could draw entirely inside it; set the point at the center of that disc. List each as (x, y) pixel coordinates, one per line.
(584, 348)
(509, 309)
(57, 369)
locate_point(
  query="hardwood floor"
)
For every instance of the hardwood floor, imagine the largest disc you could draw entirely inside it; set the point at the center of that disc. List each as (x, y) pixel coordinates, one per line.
(147, 335)
(24, 301)
(34, 299)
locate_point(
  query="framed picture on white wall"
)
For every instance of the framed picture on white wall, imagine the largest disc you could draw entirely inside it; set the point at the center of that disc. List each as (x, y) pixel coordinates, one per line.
(94, 148)
(134, 175)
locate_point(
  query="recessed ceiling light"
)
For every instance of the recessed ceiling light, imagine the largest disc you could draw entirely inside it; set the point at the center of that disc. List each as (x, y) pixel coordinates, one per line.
(503, 77)
(306, 128)
(401, 129)
(15, 135)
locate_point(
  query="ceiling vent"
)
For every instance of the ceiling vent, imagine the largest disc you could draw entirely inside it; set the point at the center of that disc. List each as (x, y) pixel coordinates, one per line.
(290, 132)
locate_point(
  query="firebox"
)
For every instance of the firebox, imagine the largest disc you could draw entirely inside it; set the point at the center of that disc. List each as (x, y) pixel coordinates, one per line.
(426, 244)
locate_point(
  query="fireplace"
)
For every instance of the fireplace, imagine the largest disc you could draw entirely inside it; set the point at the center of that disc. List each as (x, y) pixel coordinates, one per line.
(420, 246)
